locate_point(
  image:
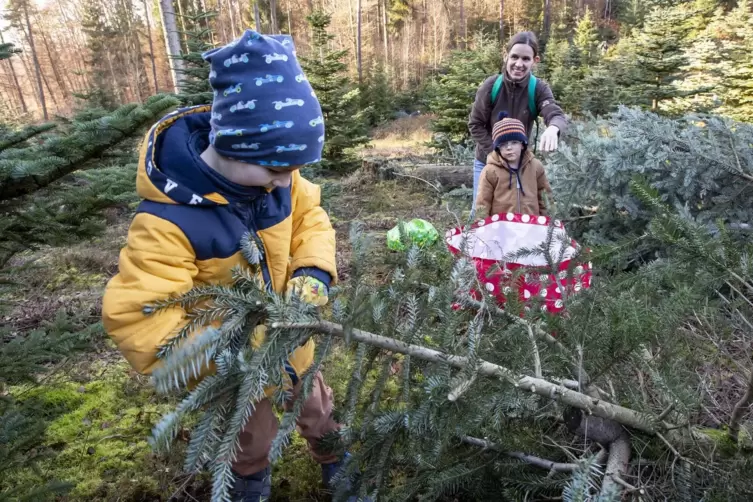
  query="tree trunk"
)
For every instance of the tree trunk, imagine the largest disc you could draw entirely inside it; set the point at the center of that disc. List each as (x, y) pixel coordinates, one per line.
(463, 34)
(386, 38)
(257, 17)
(37, 68)
(424, 31)
(547, 19)
(151, 46)
(182, 25)
(53, 63)
(219, 21)
(358, 42)
(172, 42)
(273, 16)
(502, 21)
(15, 79)
(75, 36)
(231, 13)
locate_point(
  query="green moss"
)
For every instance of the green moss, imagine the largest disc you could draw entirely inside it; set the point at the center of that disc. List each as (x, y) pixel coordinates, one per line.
(296, 476)
(72, 276)
(100, 438)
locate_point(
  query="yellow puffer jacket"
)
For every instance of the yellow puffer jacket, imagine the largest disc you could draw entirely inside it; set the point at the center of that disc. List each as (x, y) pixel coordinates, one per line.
(187, 231)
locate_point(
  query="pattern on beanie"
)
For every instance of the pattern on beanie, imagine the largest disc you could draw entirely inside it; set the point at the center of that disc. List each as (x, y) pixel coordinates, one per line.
(508, 129)
(264, 111)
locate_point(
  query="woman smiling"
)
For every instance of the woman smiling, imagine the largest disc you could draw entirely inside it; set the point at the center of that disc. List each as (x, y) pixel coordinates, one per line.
(518, 93)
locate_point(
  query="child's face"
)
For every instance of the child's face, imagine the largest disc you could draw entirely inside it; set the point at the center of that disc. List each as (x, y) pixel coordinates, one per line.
(511, 151)
(519, 61)
(252, 175)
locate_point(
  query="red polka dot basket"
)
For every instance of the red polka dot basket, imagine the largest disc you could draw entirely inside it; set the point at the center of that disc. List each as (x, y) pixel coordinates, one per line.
(493, 241)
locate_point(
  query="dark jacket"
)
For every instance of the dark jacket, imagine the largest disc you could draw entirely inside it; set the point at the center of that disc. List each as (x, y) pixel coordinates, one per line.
(513, 99)
(499, 192)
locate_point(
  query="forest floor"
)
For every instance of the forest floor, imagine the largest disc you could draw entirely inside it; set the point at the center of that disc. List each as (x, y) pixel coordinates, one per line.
(100, 412)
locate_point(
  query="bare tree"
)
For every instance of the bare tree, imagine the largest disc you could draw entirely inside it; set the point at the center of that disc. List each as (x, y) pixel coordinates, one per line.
(547, 19)
(151, 45)
(502, 21)
(172, 42)
(463, 33)
(386, 38)
(15, 79)
(257, 17)
(37, 68)
(273, 16)
(358, 42)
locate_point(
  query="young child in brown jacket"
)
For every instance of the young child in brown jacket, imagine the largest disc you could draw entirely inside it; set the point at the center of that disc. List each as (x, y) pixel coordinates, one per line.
(513, 181)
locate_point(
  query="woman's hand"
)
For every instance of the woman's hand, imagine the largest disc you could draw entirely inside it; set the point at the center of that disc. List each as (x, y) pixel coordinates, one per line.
(550, 139)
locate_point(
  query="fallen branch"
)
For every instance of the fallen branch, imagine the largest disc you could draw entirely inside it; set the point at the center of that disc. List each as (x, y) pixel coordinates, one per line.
(523, 457)
(739, 410)
(617, 464)
(539, 386)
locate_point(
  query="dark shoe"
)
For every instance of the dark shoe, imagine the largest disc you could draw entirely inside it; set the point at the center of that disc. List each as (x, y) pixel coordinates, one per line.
(255, 487)
(329, 471)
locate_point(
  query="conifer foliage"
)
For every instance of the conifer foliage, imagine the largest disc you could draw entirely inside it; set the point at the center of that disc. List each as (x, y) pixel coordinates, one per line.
(455, 396)
(195, 88)
(36, 157)
(343, 121)
(452, 93)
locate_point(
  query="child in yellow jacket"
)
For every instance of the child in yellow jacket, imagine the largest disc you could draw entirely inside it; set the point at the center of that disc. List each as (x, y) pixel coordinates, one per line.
(208, 175)
(513, 180)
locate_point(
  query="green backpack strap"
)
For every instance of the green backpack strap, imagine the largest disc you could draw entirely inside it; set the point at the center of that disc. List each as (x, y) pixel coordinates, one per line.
(497, 87)
(531, 92)
(532, 96)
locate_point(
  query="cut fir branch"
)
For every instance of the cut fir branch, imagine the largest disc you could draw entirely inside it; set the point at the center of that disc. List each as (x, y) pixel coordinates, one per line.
(386, 421)
(41, 165)
(593, 406)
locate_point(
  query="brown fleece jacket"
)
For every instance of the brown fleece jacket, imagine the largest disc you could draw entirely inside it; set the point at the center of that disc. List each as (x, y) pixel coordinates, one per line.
(498, 190)
(513, 99)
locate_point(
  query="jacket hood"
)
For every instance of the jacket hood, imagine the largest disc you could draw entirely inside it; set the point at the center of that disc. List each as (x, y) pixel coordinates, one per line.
(171, 170)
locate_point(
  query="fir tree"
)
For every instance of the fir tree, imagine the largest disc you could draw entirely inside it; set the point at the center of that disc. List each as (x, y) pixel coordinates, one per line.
(339, 98)
(195, 88)
(99, 37)
(656, 59)
(700, 166)
(452, 93)
(586, 39)
(735, 68)
(479, 386)
(32, 160)
(377, 96)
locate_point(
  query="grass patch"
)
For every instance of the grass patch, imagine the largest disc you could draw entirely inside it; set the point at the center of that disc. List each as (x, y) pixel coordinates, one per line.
(404, 137)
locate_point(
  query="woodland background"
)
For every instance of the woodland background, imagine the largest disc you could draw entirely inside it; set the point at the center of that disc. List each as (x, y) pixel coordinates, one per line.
(655, 174)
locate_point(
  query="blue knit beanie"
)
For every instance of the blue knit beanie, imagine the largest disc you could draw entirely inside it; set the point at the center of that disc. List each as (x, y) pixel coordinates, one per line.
(264, 110)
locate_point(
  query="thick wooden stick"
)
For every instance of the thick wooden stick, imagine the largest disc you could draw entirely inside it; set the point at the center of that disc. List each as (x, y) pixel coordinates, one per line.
(539, 386)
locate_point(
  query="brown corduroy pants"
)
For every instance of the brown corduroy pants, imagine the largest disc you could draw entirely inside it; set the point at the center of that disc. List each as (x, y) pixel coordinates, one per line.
(314, 422)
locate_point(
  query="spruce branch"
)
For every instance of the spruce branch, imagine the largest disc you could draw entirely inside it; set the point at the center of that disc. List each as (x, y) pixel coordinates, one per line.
(533, 460)
(593, 406)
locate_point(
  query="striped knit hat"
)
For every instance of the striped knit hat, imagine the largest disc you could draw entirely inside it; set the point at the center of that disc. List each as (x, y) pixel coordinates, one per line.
(508, 129)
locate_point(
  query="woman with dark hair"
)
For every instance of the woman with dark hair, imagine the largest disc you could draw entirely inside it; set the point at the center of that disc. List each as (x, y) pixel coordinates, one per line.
(518, 93)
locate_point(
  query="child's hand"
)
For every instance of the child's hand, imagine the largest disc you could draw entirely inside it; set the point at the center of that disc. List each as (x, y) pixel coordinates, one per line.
(310, 290)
